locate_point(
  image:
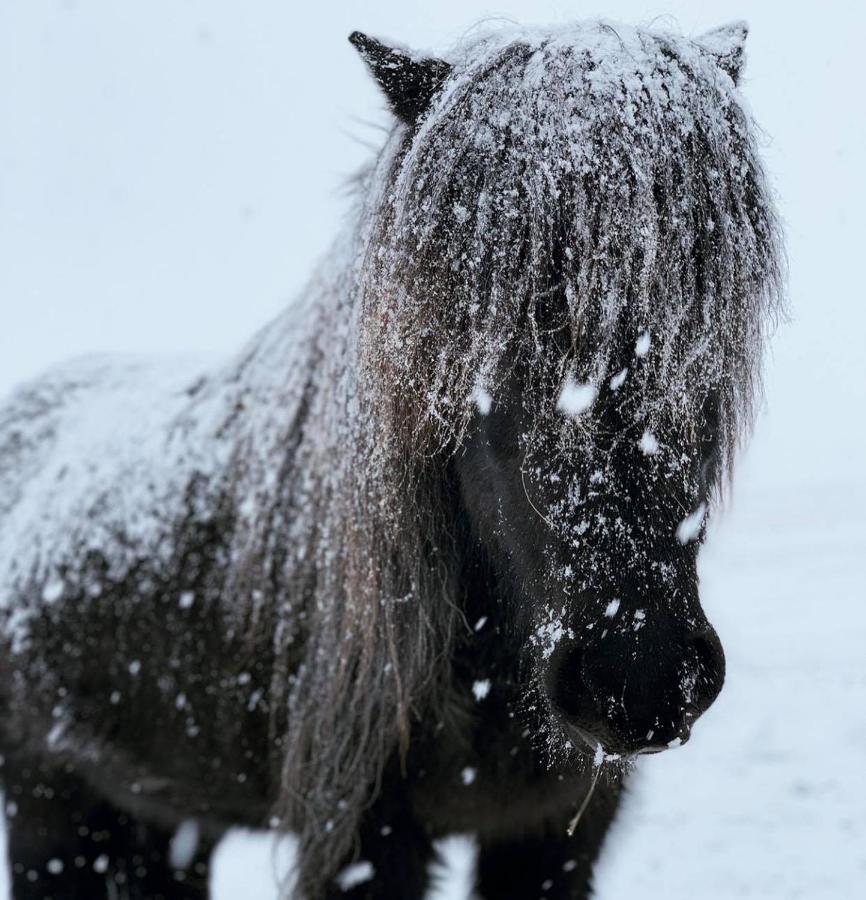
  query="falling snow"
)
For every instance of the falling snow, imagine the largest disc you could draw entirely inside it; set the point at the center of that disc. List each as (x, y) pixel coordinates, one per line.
(467, 775)
(355, 874)
(690, 527)
(481, 689)
(483, 401)
(52, 591)
(618, 380)
(184, 844)
(649, 444)
(576, 399)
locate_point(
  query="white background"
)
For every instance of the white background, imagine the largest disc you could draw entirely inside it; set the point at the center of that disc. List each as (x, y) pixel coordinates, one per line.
(170, 170)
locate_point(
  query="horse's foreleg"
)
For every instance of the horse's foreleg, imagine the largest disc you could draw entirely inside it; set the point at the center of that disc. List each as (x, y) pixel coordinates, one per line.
(154, 872)
(394, 858)
(54, 850)
(66, 843)
(548, 864)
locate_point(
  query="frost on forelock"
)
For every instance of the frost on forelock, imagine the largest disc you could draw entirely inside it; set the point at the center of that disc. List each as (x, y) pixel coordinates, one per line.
(582, 207)
(586, 200)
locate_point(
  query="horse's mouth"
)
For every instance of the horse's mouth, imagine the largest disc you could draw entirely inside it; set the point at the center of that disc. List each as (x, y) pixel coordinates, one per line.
(587, 744)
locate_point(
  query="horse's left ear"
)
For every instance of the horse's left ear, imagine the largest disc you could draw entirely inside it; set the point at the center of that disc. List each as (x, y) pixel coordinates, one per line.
(727, 44)
(409, 82)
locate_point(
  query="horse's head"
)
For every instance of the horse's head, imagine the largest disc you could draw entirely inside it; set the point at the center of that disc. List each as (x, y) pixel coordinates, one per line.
(572, 258)
(593, 537)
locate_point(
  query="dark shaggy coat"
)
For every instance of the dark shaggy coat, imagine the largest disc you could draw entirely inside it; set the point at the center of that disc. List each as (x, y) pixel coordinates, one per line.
(252, 593)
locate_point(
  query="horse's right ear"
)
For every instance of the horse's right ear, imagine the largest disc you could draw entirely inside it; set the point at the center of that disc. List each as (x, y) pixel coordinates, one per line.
(409, 82)
(727, 45)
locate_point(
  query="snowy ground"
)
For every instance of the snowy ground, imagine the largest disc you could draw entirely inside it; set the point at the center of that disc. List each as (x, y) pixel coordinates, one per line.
(168, 179)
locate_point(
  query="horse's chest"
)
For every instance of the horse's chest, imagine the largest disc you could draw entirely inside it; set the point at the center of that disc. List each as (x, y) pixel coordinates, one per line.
(490, 779)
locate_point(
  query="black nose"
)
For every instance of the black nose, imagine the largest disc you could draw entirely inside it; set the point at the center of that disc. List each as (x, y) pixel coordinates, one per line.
(636, 692)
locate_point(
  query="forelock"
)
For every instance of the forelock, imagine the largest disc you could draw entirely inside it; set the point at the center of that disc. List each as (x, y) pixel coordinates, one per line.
(568, 192)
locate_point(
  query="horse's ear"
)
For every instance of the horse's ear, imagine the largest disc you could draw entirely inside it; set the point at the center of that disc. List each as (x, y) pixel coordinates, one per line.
(409, 82)
(727, 44)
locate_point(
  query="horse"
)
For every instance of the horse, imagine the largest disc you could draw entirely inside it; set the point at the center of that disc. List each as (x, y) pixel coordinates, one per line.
(421, 558)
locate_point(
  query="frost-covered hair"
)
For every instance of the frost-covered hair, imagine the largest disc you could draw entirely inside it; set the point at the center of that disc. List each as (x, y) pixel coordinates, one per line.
(598, 181)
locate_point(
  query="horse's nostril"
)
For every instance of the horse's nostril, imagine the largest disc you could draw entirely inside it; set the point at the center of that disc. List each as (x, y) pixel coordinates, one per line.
(566, 687)
(707, 645)
(710, 659)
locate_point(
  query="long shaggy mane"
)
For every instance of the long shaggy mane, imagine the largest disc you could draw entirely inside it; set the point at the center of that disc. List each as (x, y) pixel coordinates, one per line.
(568, 193)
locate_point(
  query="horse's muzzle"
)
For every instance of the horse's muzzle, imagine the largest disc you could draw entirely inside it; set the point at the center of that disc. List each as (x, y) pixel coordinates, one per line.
(636, 696)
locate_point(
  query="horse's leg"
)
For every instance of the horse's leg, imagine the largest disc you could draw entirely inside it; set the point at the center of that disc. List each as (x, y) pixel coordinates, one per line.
(394, 861)
(152, 874)
(55, 850)
(66, 843)
(547, 864)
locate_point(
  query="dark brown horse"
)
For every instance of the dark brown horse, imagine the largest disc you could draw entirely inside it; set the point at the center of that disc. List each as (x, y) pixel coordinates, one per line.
(422, 558)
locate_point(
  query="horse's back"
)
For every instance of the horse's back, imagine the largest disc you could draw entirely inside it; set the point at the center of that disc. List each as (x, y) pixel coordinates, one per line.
(82, 407)
(80, 450)
(30, 421)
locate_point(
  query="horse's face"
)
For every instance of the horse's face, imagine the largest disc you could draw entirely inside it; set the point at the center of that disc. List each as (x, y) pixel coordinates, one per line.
(596, 549)
(544, 203)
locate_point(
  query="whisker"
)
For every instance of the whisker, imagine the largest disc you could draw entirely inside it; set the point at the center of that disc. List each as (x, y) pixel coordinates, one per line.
(572, 825)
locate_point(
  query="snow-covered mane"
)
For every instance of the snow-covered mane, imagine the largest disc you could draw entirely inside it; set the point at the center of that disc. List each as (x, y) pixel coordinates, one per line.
(570, 195)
